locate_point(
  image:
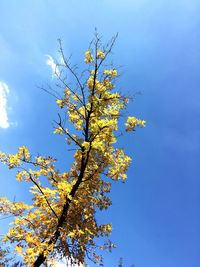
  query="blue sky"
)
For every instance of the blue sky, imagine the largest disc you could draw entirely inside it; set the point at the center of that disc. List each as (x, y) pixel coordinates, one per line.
(155, 214)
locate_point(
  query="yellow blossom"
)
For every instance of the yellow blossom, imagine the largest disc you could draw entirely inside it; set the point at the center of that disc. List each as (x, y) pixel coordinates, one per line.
(58, 130)
(132, 122)
(88, 57)
(100, 54)
(60, 103)
(112, 72)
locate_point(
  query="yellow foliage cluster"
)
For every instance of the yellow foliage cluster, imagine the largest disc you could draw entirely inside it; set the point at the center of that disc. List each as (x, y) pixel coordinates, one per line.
(88, 57)
(132, 122)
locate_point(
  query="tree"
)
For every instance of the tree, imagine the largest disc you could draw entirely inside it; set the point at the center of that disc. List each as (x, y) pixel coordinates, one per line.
(61, 221)
(4, 256)
(120, 262)
(6, 259)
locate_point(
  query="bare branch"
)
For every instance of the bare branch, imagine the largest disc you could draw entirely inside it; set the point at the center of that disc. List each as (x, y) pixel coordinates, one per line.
(66, 62)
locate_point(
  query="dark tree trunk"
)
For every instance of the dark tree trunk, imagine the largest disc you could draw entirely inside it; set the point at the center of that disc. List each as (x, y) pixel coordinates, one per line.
(41, 258)
(63, 218)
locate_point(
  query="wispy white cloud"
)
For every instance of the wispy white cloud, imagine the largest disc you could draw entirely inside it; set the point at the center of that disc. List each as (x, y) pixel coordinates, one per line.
(54, 68)
(4, 91)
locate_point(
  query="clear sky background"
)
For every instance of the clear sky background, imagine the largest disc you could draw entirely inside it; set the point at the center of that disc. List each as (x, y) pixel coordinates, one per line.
(155, 214)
